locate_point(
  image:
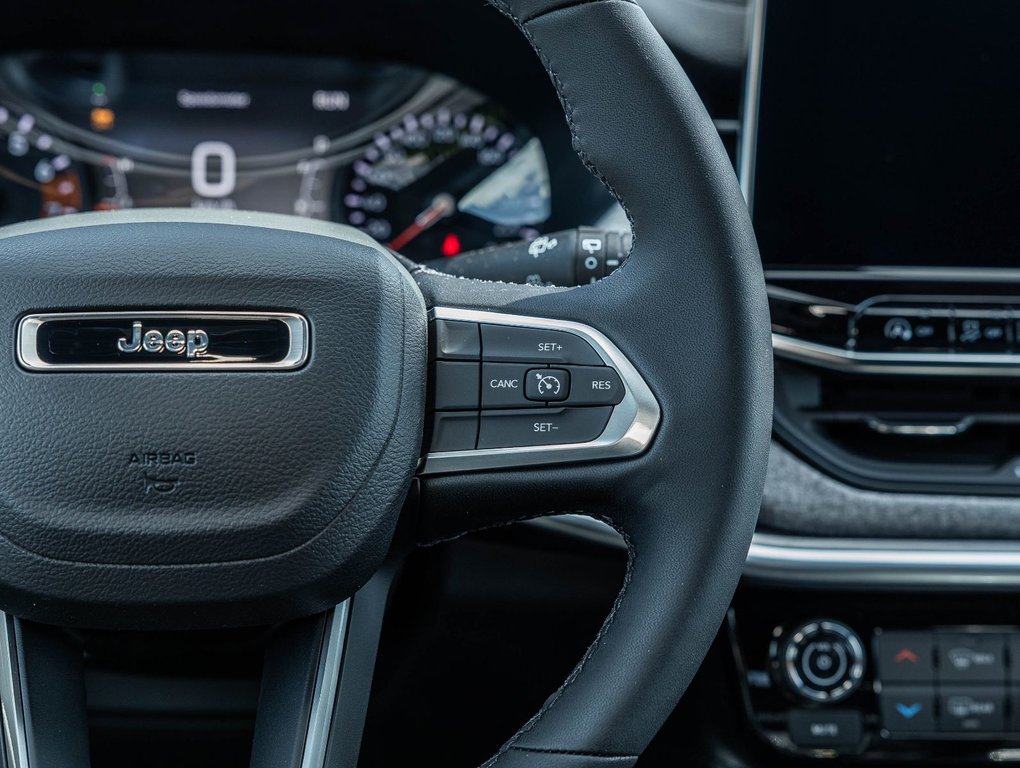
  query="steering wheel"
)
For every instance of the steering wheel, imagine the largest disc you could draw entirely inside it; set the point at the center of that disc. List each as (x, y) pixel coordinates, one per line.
(217, 419)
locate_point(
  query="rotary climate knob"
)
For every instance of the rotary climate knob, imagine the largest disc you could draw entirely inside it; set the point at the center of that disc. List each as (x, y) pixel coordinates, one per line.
(821, 661)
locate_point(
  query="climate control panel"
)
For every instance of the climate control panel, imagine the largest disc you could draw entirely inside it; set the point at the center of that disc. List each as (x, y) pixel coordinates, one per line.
(880, 689)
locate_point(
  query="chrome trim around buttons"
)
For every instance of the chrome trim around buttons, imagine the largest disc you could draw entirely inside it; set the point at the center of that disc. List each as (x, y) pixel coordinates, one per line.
(327, 682)
(630, 429)
(12, 710)
(297, 354)
(901, 363)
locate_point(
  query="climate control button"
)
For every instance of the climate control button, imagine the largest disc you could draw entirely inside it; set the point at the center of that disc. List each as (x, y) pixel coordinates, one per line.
(821, 661)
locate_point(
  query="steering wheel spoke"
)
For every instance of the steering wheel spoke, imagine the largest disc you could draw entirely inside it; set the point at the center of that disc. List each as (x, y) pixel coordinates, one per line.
(514, 386)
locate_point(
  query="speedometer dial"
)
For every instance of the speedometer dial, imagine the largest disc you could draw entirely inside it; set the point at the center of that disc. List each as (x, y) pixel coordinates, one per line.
(37, 180)
(441, 182)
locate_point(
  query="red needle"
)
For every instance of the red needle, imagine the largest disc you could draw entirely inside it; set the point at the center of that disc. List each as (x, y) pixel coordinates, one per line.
(440, 207)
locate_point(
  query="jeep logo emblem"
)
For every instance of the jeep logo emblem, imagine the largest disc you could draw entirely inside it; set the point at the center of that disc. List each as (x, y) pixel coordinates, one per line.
(193, 343)
(170, 340)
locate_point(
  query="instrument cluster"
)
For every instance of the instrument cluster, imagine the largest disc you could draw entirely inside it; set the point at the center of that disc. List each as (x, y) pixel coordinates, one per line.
(417, 160)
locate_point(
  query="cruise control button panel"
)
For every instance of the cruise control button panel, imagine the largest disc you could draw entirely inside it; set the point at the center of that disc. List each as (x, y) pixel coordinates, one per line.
(559, 387)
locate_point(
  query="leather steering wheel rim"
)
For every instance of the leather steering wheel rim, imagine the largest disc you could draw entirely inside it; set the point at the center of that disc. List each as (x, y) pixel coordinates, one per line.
(689, 309)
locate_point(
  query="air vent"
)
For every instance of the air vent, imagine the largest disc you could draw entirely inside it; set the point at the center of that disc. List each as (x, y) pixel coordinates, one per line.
(905, 433)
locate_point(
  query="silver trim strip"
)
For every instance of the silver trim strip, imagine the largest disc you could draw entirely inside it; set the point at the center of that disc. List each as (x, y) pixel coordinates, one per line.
(15, 734)
(297, 354)
(902, 363)
(628, 433)
(916, 274)
(805, 561)
(752, 89)
(828, 562)
(327, 681)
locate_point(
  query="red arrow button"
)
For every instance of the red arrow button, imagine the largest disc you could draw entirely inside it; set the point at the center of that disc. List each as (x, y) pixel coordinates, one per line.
(906, 655)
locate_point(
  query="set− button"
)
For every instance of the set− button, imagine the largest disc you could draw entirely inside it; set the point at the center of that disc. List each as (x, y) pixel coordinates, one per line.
(550, 426)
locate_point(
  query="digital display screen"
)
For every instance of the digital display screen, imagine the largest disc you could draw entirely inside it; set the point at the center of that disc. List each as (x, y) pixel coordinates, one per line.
(889, 134)
(417, 160)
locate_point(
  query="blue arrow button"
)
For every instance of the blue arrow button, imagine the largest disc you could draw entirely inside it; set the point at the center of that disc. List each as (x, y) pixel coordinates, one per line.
(908, 711)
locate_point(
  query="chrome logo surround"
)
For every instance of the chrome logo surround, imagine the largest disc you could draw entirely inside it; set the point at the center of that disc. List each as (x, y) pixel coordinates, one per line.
(295, 356)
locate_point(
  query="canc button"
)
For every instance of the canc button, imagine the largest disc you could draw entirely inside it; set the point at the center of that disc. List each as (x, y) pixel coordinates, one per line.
(503, 386)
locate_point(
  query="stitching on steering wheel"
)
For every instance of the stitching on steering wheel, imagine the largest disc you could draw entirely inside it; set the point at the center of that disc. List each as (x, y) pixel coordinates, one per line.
(568, 108)
(511, 743)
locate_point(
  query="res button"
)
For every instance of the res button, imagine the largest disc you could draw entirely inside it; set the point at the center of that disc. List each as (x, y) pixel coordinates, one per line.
(595, 385)
(536, 346)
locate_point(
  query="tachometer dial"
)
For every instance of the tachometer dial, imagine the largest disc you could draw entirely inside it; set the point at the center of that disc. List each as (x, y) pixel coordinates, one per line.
(36, 179)
(442, 182)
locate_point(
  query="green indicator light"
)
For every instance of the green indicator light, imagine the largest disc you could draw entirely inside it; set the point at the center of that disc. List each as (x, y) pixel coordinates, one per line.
(98, 89)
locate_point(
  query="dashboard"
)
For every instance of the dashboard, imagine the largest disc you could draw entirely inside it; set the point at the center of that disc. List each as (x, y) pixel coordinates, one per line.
(414, 158)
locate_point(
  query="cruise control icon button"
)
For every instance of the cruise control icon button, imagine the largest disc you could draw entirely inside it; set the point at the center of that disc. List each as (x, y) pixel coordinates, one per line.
(547, 384)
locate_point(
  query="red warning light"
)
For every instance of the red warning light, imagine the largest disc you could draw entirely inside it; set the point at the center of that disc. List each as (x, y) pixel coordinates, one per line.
(451, 245)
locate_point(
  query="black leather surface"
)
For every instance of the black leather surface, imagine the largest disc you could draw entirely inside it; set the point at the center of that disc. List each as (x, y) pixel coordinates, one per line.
(689, 310)
(299, 475)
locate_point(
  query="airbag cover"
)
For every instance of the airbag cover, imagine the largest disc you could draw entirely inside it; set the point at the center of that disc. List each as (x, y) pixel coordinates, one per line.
(215, 497)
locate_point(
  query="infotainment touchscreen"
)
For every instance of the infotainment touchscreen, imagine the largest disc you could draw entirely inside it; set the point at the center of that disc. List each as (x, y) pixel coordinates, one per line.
(888, 133)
